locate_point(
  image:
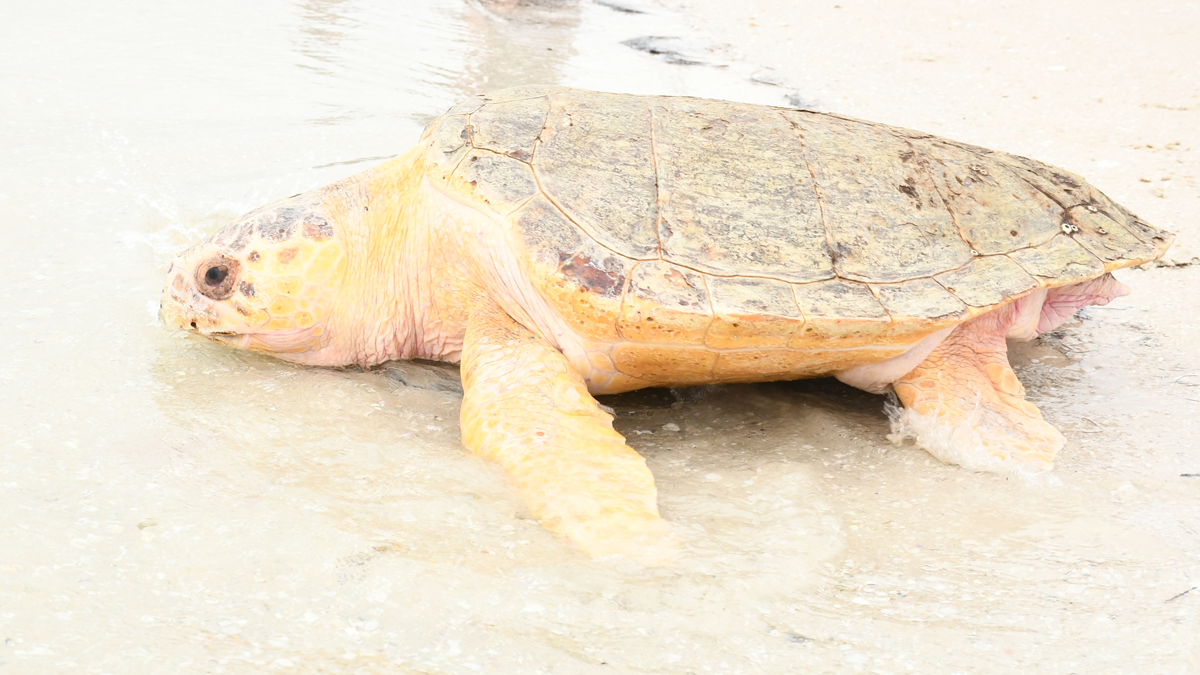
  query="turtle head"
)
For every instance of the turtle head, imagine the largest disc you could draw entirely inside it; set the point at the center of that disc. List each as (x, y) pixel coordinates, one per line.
(268, 282)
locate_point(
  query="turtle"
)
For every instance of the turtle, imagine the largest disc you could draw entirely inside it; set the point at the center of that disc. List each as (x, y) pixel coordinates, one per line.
(561, 244)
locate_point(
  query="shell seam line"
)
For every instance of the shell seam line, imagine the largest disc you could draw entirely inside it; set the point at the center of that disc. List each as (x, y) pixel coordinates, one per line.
(803, 314)
(1037, 277)
(558, 207)
(470, 145)
(488, 102)
(1019, 173)
(874, 294)
(712, 318)
(658, 216)
(1005, 301)
(830, 242)
(501, 154)
(669, 261)
(945, 203)
(621, 309)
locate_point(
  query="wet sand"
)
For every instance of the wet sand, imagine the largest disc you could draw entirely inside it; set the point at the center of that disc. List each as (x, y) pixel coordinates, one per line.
(174, 506)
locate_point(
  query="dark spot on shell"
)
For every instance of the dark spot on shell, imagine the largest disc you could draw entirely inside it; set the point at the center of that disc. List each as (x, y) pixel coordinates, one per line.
(317, 228)
(1012, 233)
(253, 257)
(247, 289)
(593, 277)
(287, 254)
(908, 190)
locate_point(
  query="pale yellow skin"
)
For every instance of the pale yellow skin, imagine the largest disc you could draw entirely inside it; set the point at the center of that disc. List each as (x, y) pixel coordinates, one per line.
(415, 259)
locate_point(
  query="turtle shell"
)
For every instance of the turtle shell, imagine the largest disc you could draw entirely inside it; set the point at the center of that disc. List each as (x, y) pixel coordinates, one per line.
(681, 221)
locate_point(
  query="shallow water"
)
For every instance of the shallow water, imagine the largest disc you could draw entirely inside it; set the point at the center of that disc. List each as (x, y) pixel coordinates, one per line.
(178, 507)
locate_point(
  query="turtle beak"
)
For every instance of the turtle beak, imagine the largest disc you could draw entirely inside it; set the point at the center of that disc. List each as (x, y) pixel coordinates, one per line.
(181, 306)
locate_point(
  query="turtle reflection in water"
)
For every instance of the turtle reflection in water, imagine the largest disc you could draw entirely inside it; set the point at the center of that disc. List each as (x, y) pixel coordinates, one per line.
(561, 243)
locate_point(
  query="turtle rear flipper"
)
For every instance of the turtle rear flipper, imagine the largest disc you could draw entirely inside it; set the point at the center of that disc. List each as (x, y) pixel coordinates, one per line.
(966, 390)
(526, 409)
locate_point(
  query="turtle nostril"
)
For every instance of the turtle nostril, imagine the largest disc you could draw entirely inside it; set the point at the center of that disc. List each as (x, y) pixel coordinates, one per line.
(193, 325)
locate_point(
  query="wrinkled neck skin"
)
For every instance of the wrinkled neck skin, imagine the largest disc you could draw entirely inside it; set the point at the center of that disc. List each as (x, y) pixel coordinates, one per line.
(408, 284)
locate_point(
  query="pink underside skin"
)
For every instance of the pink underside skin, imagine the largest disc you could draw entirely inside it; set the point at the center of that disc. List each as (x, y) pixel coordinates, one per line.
(1040, 311)
(1056, 305)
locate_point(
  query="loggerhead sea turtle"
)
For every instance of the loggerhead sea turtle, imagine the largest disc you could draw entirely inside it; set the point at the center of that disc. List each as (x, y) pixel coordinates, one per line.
(561, 243)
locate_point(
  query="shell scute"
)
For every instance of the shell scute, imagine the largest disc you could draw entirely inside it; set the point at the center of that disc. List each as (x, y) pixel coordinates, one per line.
(995, 209)
(594, 161)
(447, 141)
(510, 128)
(1106, 237)
(1060, 261)
(987, 281)
(665, 303)
(587, 287)
(752, 312)
(841, 312)
(885, 217)
(919, 301)
(754, 365)
(548, 236)
(501, 181)
(727, 211)
(667, 364)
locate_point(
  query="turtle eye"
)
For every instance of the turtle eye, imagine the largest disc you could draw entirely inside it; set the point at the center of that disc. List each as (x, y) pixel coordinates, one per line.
(215, 278)
(215, 275)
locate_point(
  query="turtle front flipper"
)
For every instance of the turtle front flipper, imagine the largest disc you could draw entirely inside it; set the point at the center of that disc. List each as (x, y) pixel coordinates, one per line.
(525, 408)
(970, 407)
